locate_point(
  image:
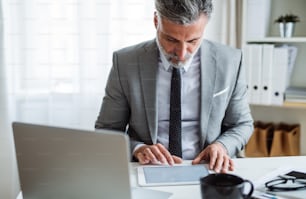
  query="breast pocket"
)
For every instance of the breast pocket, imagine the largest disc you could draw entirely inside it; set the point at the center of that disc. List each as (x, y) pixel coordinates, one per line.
(219, 104)
(221, 92)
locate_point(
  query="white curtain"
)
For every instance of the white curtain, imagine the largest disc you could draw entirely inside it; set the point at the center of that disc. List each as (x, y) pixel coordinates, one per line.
(57, 55)
(58, 52)
(225, 23)
(9, 184)
(8, 171)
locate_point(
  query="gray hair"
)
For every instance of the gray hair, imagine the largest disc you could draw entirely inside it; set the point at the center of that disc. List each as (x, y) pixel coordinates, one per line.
(183, 11)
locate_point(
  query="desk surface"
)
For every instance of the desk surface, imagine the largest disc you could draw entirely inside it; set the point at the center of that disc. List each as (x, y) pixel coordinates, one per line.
(247, 168)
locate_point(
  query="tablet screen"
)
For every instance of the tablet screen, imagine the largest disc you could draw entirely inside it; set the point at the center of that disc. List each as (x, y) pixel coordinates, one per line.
(171, 175)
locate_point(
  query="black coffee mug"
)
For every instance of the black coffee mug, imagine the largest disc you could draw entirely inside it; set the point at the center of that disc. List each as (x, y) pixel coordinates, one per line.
(224, 186)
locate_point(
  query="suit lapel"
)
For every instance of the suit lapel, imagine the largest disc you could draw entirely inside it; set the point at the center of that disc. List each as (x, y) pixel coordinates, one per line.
(208, 77)
(148, 65)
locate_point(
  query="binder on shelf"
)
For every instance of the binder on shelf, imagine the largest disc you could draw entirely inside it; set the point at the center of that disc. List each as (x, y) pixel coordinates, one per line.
(267, 74)
(292, 53)
(256, 67)
(279, 77)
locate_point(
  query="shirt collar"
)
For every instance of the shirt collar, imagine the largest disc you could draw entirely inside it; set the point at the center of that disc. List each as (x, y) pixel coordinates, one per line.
(167, 64)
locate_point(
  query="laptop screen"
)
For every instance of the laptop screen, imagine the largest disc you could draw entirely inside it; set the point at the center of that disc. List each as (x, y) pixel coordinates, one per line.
(55, 162)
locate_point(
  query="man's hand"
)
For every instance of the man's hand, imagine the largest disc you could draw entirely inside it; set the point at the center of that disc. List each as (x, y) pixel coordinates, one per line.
(216, 154)
(155, 154)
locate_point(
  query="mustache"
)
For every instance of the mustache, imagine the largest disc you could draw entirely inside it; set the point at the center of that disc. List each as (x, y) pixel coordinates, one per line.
(174, 57)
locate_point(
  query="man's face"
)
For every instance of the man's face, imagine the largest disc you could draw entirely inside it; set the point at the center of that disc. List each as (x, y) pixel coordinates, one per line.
(179, 42)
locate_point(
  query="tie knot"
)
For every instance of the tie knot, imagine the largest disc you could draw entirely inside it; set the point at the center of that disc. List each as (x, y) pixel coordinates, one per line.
(176, 74)
(175, 70)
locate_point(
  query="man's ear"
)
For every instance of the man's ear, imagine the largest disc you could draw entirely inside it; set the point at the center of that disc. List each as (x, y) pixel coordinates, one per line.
(155, 19)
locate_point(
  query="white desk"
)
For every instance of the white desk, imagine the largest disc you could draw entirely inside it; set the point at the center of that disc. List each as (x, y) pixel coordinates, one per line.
(247, 168)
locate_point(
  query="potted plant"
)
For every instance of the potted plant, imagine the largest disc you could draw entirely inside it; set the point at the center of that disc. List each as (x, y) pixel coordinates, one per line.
(287, 24)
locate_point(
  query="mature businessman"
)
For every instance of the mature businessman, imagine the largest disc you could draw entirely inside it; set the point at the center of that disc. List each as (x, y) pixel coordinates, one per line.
(179, 96)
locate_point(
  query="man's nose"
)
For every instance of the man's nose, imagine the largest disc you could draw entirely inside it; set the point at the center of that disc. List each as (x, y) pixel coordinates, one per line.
(181, 52)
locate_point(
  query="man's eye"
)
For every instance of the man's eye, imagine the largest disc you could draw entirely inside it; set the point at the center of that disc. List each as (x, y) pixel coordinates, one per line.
(192, 41)
(171, 40)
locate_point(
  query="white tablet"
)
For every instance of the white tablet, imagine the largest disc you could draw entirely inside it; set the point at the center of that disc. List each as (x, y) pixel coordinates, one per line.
(171, 175)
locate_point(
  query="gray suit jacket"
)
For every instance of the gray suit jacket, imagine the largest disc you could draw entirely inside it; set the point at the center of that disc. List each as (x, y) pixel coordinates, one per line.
(130, 102)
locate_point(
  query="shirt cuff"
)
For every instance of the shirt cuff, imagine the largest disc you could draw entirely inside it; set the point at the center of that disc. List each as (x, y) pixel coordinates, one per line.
(137, 147)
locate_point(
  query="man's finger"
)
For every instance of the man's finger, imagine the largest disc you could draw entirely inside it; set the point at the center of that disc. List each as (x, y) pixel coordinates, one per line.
(166, 153)
(225, 164)
(142, 158)
(177, 160)
(199, 158)
(231, 165)
(149, 155)
(219, 162)
(212, 159)
(158, 154)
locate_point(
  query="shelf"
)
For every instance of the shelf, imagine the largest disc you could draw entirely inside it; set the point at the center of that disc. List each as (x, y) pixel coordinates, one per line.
(299, 105)
(278, 40)
(258, 27)
(295, 104)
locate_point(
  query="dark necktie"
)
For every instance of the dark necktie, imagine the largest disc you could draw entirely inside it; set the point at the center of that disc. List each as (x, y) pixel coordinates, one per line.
(175, 138)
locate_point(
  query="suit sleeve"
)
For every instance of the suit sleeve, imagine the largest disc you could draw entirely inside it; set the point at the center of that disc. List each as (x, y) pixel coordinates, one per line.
(237, 124)
(115, 111)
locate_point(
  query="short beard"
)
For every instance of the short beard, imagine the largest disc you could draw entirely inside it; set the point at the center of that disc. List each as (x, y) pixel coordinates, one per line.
(172, 57)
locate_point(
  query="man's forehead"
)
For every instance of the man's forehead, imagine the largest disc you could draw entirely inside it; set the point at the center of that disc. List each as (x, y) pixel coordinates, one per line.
(179, 31)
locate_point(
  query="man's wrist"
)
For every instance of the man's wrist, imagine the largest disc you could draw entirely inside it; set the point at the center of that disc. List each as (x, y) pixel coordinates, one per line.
(136, 148)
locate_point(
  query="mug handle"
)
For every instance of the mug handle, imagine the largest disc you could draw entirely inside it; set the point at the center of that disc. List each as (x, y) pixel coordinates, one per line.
(251, 189)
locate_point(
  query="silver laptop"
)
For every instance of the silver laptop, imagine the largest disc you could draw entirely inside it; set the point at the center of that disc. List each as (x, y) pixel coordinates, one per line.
(62, 163)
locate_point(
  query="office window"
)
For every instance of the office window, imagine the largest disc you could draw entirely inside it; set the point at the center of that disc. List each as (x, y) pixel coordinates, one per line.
(58, 53)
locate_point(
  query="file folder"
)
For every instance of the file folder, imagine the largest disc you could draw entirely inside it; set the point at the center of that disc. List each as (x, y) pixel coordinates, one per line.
(267, 74)
(256, 67)
(279, 77)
